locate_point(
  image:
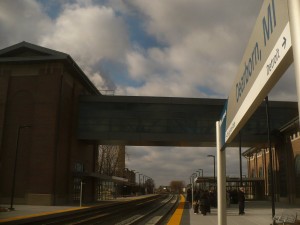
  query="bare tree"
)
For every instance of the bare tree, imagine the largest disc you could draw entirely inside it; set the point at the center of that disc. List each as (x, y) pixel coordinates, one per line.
(149, 185)
(111, 160)
(177, 186)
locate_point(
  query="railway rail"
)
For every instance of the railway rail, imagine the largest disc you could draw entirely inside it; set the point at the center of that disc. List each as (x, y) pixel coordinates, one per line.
(149, 210)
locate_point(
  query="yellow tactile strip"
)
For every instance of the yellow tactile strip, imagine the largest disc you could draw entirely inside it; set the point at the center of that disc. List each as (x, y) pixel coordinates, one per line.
(176, 217)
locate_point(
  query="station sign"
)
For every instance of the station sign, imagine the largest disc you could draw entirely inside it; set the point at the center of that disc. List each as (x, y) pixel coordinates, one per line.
(266, 58)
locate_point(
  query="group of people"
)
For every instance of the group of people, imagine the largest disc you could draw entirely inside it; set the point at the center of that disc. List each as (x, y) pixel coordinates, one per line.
(204, 199)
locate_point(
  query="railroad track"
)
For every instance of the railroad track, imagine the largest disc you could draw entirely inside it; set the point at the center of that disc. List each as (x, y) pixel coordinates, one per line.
(151, 210)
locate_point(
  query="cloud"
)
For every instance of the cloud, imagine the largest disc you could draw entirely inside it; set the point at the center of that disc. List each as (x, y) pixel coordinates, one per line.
(89, 33)
(22, 21)
(165, 164)
(199, 40)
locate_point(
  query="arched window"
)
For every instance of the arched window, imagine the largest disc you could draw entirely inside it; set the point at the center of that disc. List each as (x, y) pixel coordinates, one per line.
(297, 173)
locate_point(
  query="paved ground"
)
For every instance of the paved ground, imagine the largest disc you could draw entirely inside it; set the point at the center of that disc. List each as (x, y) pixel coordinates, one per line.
(257, 213)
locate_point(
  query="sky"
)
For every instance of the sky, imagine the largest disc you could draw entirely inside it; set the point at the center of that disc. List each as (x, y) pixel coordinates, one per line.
(174, 48)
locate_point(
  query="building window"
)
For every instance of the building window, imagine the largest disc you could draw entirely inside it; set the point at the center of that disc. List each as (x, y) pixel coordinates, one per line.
(297, 172)
(106, 190)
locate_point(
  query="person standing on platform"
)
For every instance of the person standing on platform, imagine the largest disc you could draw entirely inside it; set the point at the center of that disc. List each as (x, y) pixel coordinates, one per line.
(204, 203)
(189, 195)
(241, 199)
(196, 202)
(228, 198)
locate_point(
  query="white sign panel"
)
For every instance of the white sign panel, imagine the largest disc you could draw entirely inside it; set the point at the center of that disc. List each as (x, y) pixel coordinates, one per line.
(266, 58)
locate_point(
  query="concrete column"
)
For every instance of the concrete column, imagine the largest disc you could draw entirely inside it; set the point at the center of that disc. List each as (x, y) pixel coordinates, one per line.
(221, 161)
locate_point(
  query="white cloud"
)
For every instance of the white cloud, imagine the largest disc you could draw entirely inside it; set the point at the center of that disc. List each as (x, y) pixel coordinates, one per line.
(89, 33)
(165, 164)
(22, 21)
(200, 39)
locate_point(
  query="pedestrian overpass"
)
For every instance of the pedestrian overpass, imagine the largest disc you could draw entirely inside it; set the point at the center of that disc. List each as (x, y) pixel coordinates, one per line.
(170, 121)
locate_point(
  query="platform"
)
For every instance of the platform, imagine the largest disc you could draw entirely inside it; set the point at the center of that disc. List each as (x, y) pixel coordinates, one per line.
(256, 213)
(27, 211)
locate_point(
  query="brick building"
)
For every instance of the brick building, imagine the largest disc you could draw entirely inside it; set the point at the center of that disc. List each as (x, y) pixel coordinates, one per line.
(41, 159)
(286, 165)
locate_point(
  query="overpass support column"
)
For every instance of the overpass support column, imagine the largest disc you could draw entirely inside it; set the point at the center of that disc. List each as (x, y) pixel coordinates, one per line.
(221, 161)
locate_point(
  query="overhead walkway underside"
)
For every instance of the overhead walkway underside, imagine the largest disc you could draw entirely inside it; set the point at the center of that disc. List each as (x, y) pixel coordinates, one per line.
(166, 121)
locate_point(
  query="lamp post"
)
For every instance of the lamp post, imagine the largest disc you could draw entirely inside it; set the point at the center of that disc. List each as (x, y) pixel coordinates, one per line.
(214, 169)
(140, 181)
(146, 184)
(15, 167)
(144, 191)
(192, 179)
(124, 175)
(135, 172)
(135, 181)
(201, 176)
(199, 172)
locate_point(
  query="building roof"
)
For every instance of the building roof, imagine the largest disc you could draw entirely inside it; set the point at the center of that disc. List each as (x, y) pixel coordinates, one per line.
(25, 52)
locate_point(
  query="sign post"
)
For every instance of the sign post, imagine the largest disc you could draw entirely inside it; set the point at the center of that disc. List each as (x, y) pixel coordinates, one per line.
(221, 185)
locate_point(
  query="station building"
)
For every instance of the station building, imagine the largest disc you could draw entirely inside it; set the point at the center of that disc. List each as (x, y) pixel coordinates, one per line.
(41, 160)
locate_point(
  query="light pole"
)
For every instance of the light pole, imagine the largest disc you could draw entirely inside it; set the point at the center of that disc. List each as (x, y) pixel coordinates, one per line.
(192, 179)
(144, 191)
(15, 167)
(136, 182)
(146, 184)
(125, 176)
(199, 172)
(135, 172)
(140, 181)
(201, 176)
(214, 169)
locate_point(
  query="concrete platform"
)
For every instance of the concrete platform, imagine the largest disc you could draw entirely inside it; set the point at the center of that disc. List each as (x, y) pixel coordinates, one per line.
(26, 211)
(256, 213)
